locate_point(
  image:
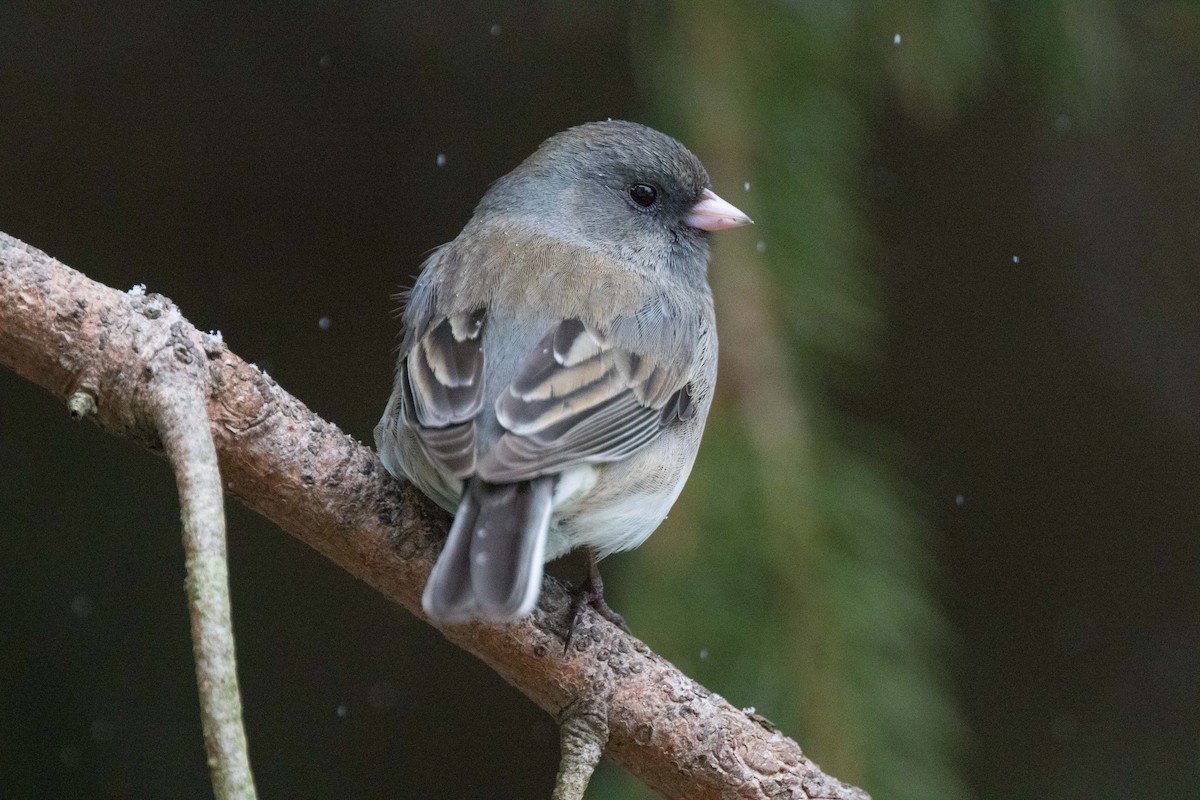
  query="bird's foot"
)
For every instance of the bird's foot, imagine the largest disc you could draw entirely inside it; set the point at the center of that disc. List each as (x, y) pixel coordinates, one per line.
(590, 593)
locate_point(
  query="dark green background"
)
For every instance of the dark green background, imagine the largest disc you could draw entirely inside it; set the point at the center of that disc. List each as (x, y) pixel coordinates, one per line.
(268, 166)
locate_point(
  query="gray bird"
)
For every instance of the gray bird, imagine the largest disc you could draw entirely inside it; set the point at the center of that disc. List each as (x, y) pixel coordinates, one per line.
(558, 363)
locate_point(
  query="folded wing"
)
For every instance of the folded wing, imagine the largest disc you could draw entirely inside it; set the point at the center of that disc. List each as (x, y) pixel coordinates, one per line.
(579, 399)
(442, 391)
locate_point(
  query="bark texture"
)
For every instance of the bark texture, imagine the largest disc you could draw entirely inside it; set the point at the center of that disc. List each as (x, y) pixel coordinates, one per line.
(180, 408)
(70, 334)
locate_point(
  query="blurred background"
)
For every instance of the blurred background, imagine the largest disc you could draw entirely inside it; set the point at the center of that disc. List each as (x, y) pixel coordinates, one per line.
(944, 529)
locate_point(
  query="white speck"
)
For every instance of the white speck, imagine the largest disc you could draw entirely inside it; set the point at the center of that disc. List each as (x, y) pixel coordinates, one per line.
(746, 186)
(704, 654)
(324, 322)
(481, 533)
(958, 500)
(82, 606)
(1016, 259)
(481, 559)
(750, 710)
(138, 290)
(342, 711)
(441, 159)
(896, 39)
(761, 246)
(495, 31)
(1062, 123)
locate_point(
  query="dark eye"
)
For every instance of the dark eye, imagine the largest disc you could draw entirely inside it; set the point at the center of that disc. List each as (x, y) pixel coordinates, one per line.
(643, 194)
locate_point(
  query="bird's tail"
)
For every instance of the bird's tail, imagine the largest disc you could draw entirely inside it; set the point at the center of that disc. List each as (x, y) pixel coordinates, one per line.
(491, 566)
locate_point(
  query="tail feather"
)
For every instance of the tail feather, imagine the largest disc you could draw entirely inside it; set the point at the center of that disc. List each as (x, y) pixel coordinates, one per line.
(491, 567)
(448, 591)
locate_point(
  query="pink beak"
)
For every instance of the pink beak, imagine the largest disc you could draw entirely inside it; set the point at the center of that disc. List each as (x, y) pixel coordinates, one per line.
(711, 213)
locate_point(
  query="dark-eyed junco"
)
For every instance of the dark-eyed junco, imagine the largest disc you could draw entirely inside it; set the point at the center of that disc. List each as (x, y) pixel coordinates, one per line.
(558, 363)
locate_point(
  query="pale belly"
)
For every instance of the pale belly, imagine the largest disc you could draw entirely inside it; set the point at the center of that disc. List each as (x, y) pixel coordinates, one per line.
(614, 507)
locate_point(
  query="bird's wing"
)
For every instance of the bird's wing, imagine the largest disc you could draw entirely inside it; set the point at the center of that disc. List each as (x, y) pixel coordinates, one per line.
(581, 398)
(440, 386)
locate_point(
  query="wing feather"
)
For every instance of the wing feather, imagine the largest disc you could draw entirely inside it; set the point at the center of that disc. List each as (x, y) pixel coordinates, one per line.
(442, 391)
(579, 399)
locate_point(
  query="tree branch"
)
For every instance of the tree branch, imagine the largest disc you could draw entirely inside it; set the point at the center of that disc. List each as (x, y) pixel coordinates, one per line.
(69, 334)
(182, 415)
(583, 732)
(173, 394)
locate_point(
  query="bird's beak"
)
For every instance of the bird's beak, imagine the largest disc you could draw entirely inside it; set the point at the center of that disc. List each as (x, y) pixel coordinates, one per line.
(711, 213)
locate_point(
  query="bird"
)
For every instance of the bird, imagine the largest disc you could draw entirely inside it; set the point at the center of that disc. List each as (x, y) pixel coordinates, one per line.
(557, 364)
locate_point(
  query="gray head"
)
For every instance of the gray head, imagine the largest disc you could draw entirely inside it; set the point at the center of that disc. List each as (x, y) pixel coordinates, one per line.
(621, 188)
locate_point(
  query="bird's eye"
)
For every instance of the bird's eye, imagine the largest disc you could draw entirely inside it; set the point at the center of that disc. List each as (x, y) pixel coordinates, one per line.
(643, 194)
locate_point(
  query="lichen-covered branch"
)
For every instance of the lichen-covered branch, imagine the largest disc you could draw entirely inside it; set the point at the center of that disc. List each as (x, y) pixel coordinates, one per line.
(173, 393)
(67, 333)
(182, 413)
(582, 732)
